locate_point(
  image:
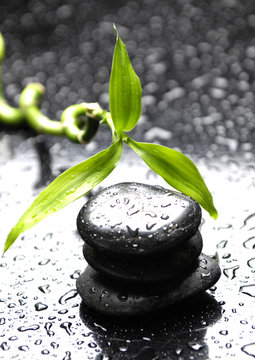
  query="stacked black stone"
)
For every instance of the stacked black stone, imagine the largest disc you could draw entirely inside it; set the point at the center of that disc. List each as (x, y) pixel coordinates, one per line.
(143, 248)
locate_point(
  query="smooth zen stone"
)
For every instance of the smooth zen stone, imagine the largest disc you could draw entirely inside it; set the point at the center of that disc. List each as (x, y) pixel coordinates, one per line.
(146, 268)
(133, 218)
(123, 299)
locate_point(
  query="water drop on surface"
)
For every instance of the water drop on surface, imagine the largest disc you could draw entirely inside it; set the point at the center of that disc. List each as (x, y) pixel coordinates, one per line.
(231, 272)
(67, 296)
(40, 306)
(249, 349)
(28, 328)
(4, 346)
(44, 288)
(2, 321)
(222, 244)
(44, 262)
(248, 290)
(47, 327)
(67, 356)
(67, 327)
(23, 348)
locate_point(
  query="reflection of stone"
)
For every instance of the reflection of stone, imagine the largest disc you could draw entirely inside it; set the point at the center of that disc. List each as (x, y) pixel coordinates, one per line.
(144, 248)
(176, 333)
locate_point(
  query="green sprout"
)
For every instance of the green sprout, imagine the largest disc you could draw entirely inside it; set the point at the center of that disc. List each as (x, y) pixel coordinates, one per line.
(125, 110)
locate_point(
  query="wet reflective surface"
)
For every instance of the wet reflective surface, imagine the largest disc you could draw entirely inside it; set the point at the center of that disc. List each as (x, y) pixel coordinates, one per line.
(197, 68)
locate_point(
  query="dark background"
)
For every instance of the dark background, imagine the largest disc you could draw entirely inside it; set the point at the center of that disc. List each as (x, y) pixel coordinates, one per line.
(196, 62)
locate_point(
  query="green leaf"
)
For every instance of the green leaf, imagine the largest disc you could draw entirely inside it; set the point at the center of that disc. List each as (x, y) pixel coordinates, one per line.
(2, 48)
(177, 170)
(67, 187)
(125, 90)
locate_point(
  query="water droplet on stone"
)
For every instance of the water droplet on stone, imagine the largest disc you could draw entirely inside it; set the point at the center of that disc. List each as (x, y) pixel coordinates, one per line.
(123, 297)
(75, 274)
(2, 321)
(195, 346)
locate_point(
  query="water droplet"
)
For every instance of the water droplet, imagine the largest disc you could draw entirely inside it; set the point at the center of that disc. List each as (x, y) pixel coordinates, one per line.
(133, 212)
(164, 217)
(222, 244)
(67, 296)
(251, 263)
(67, 327)
(54, 345)
(48, 236)
(44, 262)
(92, 345)
(45, 352)
(223, 332)
(249, 349)
(115, 225)
(151, 214)
(248, 219)
(248, 290)
(205, 275)
(123, 297)
(67, 356)
(40, 306)
(2, 321)
(23, 348)
(4, 346)
(178, 351)
(38, 342)
(44, 288)
(28, 328)
(149, 226)
(195, 346)
(231, 272)
(19, 257)
(75, 274)
(47, 327)
(123, 348)
(250, 243)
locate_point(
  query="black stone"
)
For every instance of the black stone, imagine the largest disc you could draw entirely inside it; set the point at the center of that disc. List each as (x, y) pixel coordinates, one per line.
(118, 298)
(133, 218)
(145, 268)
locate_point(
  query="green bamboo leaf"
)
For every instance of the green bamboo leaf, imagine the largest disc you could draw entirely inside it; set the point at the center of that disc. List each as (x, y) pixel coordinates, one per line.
(67, 187)
(125, 90)
(2, 48)
(177, 170)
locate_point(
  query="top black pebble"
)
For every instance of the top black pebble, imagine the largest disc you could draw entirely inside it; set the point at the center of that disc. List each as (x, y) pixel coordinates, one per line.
(134, 218)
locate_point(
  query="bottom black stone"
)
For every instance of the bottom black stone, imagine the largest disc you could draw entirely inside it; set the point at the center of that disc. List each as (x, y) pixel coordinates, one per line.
(121, 299)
